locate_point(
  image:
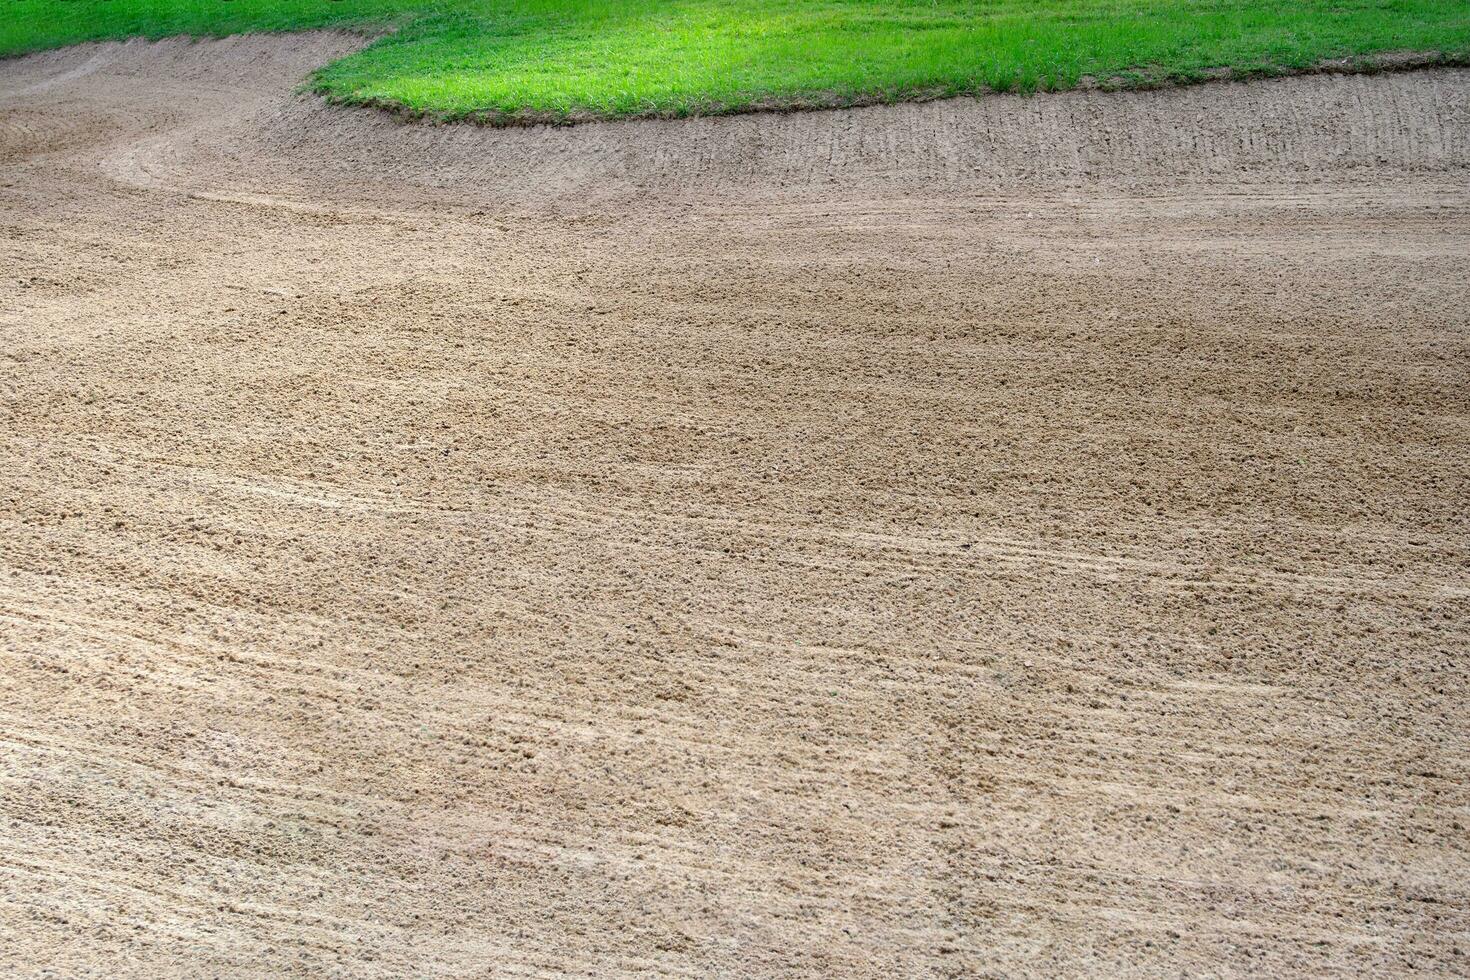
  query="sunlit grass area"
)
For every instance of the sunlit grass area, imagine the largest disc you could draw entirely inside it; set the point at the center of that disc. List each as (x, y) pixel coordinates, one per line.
(566, 59)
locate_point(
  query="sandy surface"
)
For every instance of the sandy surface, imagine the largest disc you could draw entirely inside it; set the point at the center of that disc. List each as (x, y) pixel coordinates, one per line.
(976, 539)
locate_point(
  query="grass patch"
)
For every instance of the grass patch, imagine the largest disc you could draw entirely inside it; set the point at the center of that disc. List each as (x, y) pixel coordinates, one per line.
(504, 60)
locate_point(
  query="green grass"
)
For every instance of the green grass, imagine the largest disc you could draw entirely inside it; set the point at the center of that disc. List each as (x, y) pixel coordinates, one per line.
(567, 59)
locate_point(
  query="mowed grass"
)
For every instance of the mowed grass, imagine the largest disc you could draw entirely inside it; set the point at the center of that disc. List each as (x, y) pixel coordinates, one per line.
(503, 60)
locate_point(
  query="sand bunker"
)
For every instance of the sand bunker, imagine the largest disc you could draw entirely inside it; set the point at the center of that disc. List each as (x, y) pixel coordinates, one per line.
(1000, 537)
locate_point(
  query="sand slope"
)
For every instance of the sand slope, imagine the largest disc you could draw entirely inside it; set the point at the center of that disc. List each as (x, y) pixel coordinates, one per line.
(1000, 538)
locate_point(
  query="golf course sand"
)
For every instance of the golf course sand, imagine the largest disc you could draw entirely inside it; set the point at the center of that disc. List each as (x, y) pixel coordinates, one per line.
(981, 538)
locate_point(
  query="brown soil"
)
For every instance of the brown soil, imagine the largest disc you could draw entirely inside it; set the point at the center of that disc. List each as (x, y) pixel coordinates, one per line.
(981, 538)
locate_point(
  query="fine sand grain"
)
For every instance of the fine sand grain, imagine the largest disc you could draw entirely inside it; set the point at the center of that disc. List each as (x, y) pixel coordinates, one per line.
(1015, 537)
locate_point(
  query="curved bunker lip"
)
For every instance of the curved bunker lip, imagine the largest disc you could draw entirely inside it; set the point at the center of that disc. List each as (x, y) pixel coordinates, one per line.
(260, 135)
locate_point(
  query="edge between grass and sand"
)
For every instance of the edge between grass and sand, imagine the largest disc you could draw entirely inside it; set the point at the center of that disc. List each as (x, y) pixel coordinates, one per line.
(566, 61)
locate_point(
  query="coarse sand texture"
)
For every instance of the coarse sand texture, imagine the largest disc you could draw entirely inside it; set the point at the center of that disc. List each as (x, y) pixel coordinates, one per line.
(986, 538)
